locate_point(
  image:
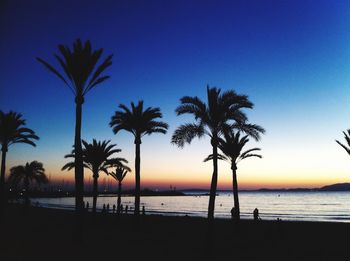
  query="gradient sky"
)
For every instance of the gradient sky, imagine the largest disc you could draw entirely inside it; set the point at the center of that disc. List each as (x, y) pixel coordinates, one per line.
(290, 57)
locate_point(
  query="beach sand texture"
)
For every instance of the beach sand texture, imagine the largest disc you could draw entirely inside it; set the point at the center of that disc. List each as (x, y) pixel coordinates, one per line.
(47, 234)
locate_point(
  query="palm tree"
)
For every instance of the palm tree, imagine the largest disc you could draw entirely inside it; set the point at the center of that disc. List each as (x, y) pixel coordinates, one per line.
(231, 146)
(139, 122)
(119, 174)
(12, 132)
(96, 158)
(27, 175)
(347, 138)
(79, 75)
(222, 111)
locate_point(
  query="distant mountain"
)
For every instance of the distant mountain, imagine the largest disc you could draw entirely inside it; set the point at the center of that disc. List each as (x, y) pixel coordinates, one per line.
(336, 187)
(333, 187)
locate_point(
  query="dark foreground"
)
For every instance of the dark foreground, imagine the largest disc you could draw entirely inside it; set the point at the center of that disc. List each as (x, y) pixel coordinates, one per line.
(47, 234)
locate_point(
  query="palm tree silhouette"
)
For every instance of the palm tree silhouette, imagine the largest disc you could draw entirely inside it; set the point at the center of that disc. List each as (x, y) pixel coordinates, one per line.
(96, 157)
(347, 138)
(231, 146)
(28, 174)
(78, 65)
(139, 122)
(222, 111)
(119, 174)
(12, 131)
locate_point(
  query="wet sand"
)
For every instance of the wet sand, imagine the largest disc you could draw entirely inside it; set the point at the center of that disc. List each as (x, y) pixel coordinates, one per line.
(48, 234)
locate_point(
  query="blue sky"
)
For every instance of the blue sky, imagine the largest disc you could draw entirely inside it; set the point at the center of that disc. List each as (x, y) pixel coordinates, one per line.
(290, 57)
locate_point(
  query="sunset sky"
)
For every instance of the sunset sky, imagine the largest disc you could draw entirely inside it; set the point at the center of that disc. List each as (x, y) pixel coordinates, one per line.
(292, 58)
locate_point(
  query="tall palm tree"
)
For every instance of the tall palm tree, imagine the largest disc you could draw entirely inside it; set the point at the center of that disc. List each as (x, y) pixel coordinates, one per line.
(28, 174)
(12, 131)
(231, 146)
(139, 122)
(347, 139)
(80, 76)
(96, 157)
(119, 174)
(221, 111)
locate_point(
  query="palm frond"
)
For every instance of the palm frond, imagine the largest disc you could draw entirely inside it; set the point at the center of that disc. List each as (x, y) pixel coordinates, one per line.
(12, 130)
(53, 70)
(78, 65)
(253, 130)
(220, 157)
(345, 148)
(138, 121)
(186, 133)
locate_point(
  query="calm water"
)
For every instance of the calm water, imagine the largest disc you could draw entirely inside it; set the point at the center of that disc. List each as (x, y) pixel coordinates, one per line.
(303, 206)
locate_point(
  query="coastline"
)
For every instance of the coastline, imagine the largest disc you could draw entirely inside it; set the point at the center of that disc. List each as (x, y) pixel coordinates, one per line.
(165, 237)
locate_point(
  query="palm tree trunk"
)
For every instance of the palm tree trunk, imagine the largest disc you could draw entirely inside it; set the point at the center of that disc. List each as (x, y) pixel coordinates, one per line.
(79, 169)
(94, 192)
(235, 192)
(119, 197)
(137, 176)
(26, 187)
(2, 178)
(214, 180)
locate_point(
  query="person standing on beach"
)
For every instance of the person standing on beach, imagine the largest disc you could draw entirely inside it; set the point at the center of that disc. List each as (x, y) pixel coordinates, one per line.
(233, 213)
(256, 214)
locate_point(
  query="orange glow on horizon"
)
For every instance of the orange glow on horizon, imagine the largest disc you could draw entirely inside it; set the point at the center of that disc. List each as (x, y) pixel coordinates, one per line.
(189, 182)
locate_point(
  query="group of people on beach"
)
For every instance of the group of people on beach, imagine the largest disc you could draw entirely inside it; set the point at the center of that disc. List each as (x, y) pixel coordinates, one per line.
(106, 208)
(255, 214)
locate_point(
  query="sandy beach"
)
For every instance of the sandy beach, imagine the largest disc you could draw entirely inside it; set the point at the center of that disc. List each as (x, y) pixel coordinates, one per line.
(47, 234)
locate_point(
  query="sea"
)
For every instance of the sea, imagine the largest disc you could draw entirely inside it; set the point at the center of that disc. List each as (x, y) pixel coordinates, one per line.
(291, 206)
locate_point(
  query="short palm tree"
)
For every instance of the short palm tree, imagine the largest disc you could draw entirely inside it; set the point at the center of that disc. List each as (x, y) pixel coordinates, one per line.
(222, 111)
(80, 75)
(231, 146)
(27, 175)
(347, 139)
(12, 131)
(119, 174)
(96, 157)
(139, 122)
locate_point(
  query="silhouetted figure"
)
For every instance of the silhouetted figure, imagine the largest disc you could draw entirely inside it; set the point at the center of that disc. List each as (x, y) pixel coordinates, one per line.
(121, 209)
(87, 206)
(126, 209)
(108, 208)
(113, 208)
(233, 213)
(143, 210)
(104, 208)
(256, 214)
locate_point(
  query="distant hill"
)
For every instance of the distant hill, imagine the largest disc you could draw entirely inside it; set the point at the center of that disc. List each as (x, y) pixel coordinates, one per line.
(336, 187)
(333, 187)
